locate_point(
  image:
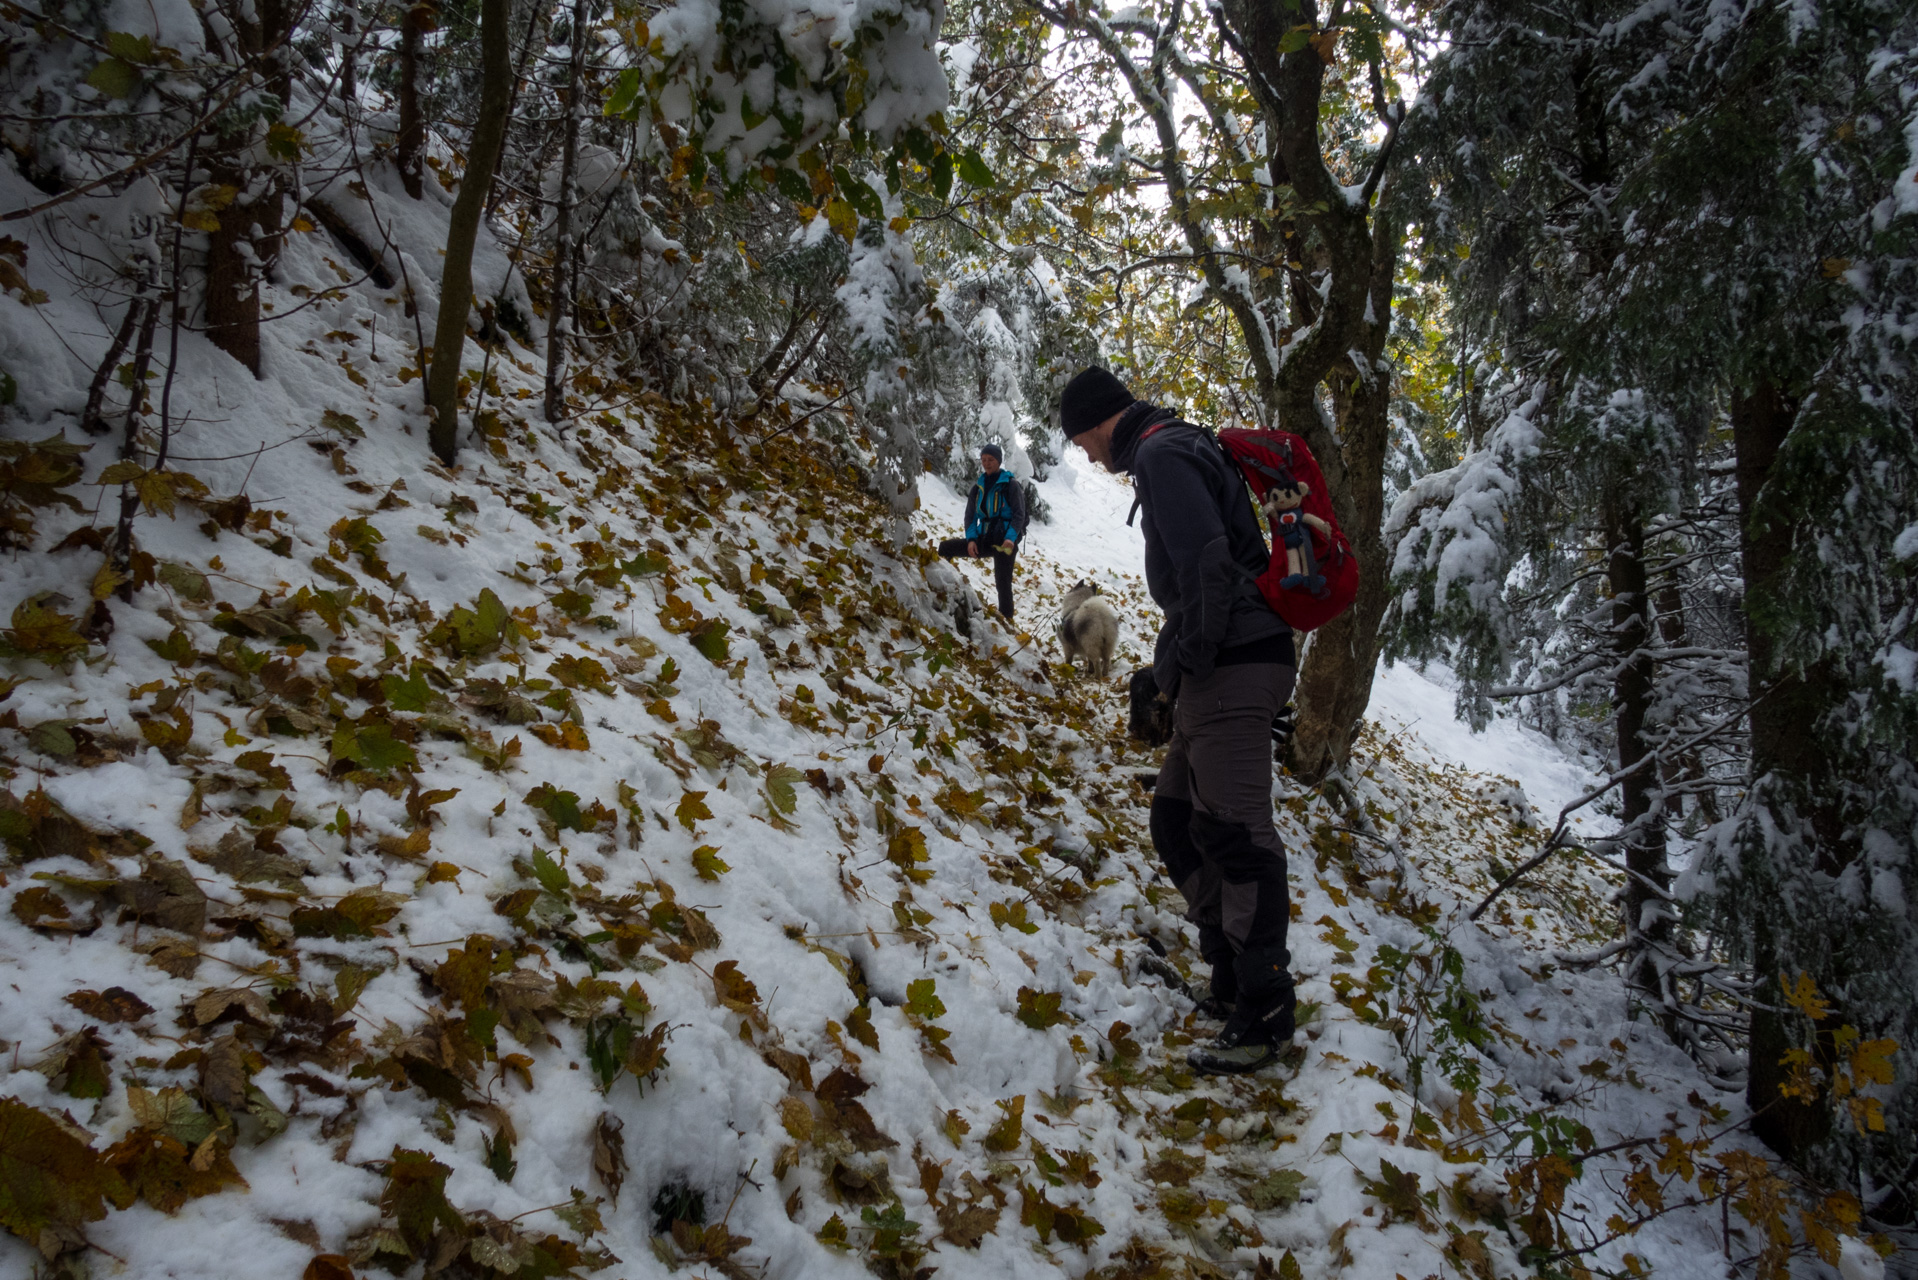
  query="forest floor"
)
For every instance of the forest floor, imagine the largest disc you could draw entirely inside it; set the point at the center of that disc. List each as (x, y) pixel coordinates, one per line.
(605, 855)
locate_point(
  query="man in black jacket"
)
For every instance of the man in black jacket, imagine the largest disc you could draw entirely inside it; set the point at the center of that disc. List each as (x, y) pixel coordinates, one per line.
(1227, 659)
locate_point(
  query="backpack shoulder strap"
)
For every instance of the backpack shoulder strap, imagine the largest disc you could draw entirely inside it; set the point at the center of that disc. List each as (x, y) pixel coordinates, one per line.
(1157, 427)
(1146, 435)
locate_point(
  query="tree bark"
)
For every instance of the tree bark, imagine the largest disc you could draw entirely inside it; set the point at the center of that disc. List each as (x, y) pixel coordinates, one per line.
(559, 302)
(349, 20)
(1686, 771)
(122, 545)
(456, 282)
(1341, 323)
(1335, 683)
(92, 420)
(537, 37)
(1647, 909)
(232, 275)
(409, 146)
(1788, 763)
(245, 244)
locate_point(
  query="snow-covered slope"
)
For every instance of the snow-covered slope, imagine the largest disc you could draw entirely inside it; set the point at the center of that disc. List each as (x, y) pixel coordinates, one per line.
(606, 855)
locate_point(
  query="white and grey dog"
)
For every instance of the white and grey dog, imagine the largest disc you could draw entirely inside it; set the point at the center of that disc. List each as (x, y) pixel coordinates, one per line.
(1089, 629)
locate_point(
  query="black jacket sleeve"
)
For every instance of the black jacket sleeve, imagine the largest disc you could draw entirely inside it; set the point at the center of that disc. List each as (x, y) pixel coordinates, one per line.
(1189, 526)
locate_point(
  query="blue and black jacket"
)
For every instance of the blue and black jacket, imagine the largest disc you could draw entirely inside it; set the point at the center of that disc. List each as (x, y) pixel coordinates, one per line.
(996, 509)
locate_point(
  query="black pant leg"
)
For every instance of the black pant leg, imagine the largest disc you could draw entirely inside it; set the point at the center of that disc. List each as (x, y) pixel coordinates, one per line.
(1199, 882)
(952, 547)
(1256, 906)
(1225, 723)
(1002, 575)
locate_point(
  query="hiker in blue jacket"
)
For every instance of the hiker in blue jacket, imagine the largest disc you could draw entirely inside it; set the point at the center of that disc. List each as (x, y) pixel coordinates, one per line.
(1226, 660)
(995, 521)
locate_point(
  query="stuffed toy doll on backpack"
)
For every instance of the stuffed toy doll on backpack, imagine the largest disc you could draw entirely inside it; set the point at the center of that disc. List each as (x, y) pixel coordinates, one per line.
(1281, 504)
(1313, 576)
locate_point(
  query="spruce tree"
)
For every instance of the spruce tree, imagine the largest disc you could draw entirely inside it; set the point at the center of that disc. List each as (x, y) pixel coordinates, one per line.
(1710, 211)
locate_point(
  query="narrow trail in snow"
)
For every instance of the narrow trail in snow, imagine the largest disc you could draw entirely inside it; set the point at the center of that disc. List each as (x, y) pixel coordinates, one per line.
(1336, 1160)
(606, 855)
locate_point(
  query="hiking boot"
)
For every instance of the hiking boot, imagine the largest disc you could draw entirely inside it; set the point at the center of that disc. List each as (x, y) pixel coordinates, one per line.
(1250, 1041)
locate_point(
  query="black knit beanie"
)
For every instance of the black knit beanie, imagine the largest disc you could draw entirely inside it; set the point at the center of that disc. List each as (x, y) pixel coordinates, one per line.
(994, 450)
(1089, 399)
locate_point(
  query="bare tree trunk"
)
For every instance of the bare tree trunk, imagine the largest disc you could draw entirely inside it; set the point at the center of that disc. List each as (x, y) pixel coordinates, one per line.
(409, 147)
(1647, 908)
(232, 279)
(122, 546)
(1335, 684)
(535, 23)
(456, 283)
(349, 20)
(245, 244)
(1685, 772)
(1787, 758)
(558, 303)
(92, 420)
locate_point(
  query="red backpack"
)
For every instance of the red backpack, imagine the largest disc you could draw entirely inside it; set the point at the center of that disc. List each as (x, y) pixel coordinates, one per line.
(1330, 579)
(1330, 582)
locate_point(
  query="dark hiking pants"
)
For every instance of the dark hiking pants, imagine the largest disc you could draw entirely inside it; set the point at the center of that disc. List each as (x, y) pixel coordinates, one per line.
(1212, 824)
(1001, 569)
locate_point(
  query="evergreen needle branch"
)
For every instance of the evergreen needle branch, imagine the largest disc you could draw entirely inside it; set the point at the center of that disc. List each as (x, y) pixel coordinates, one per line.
(17, 11)
(1558, 842)
(242, 82)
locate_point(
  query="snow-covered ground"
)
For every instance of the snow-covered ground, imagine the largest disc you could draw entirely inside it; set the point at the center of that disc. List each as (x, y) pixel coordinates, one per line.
(484, 868)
